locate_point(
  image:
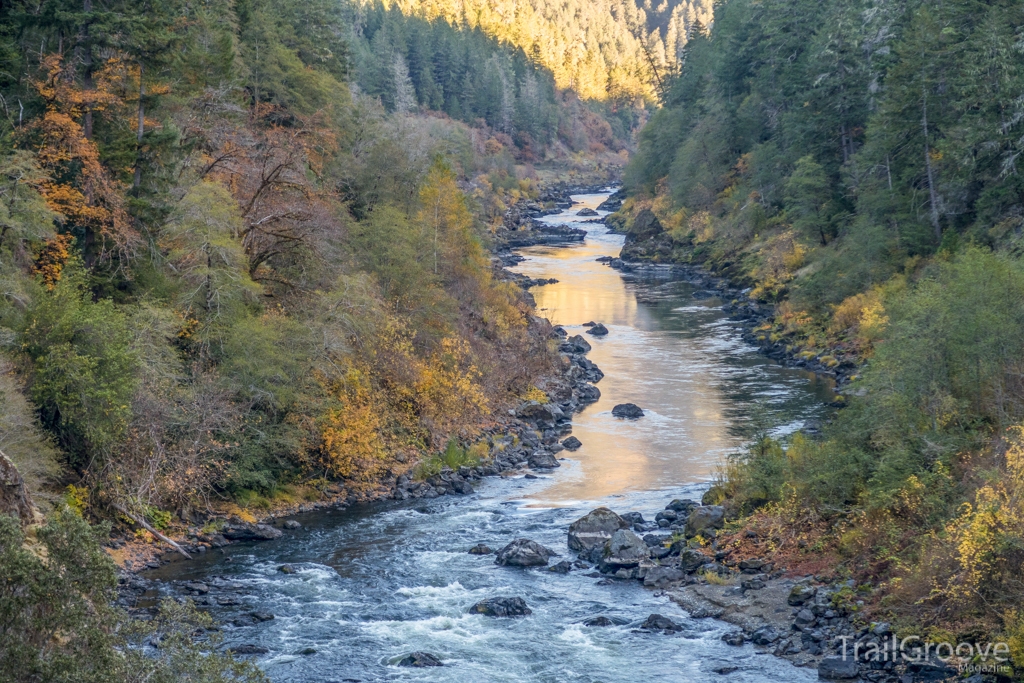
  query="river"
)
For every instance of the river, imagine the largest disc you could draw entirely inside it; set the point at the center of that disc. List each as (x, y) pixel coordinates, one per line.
(375, 583)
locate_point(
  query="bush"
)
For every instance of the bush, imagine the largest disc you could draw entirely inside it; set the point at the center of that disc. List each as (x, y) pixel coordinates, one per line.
(58, 621)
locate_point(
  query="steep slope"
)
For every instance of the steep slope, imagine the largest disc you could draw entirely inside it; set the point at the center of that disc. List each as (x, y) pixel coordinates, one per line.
(855, 164)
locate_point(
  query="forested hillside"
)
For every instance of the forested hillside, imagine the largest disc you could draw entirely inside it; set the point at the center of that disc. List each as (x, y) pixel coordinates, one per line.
(416, 64)
(856, 165)
(215, 286)
(608, 50)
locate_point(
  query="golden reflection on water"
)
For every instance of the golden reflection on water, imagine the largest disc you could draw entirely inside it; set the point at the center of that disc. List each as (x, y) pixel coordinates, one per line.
(665, 353)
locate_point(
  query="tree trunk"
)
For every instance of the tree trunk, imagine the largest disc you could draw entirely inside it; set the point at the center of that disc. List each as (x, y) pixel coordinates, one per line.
(137, 180)
(932, 197)
(87, 70)
(14, 497)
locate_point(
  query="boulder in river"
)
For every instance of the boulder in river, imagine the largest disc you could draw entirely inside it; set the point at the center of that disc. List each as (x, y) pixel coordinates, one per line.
(562, 567)
(629, 411)
(657, 622)
(248, 650)
(501, 607)
(625, 549)
(420, 659)
(292, 525)
(572, 443)
(704, 518)
(587, 211)
(734, 638)
(594, 529)
(598, 621)
(523, 552)
(598, 330)
(480, 549)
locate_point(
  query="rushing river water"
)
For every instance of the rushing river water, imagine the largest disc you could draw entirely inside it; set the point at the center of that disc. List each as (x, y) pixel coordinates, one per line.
(377, 583)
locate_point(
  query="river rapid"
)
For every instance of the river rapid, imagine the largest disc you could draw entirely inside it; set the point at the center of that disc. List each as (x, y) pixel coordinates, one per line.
(376, 583)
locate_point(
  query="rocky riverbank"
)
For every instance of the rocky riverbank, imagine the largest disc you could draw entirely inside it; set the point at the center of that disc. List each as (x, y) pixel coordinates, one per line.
(686, 553)
(526, 440)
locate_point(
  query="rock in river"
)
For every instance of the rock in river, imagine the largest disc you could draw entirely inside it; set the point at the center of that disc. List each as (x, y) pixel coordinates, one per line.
(628, 410)
(598, 330)
(480, 549)
(594, 529)
(501, 607)
(420, 659)
(656, 622)
(523, 552)
(587, 211)
(572, 443)
(626, 549)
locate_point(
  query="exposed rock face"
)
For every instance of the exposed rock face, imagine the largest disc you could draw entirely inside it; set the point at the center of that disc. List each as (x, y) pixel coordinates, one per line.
(705, 517)
(501, 607)
(628, 410)
(523, 552)
(420, 659)
(14, 497)
(594, 529)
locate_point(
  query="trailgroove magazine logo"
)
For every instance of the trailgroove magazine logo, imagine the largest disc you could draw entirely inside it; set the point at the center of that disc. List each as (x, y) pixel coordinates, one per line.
(971, 657)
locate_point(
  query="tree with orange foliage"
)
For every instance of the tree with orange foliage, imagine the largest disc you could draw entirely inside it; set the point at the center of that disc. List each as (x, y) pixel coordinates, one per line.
(79, 188)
